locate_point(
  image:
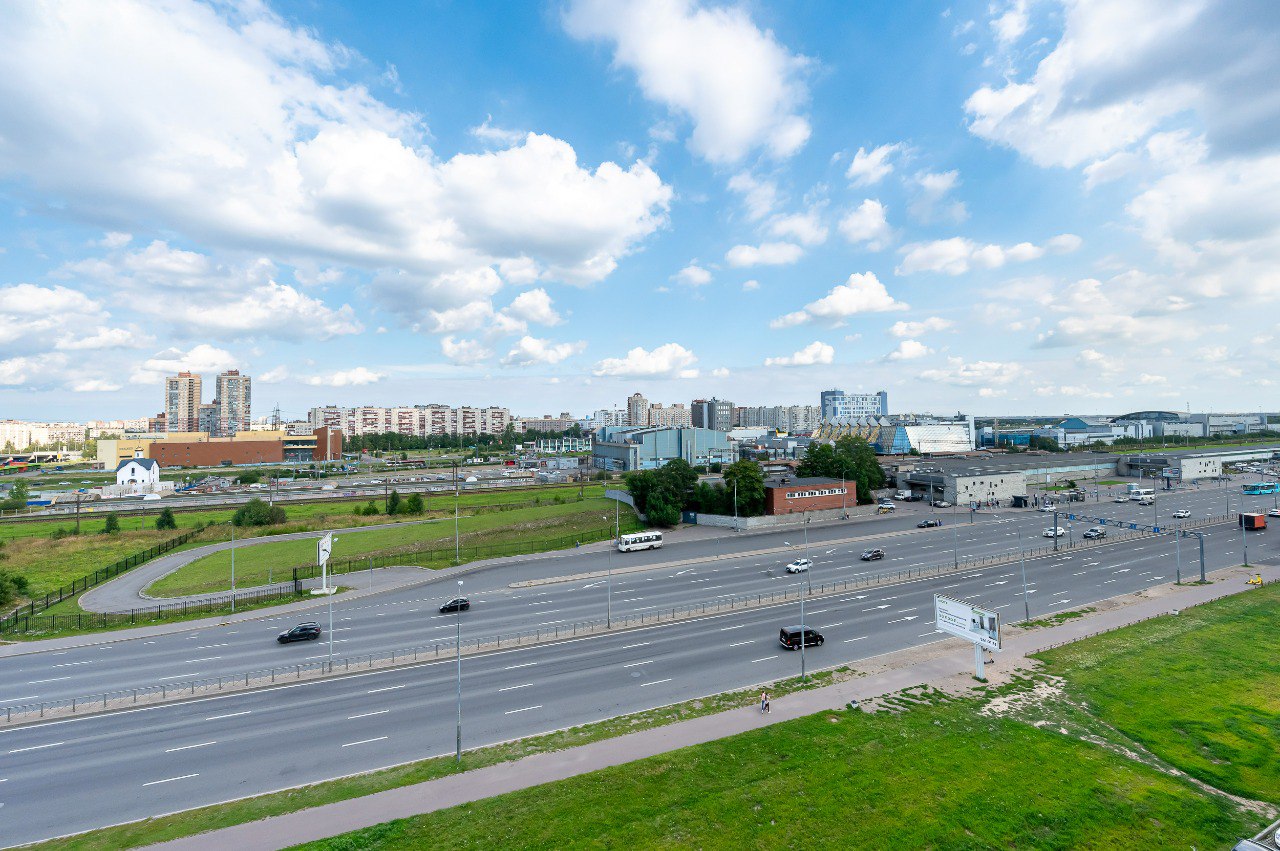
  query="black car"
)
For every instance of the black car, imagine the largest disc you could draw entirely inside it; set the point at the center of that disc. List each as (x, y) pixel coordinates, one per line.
(929, 524)
(789, 637)
(873, 555)
(457, 604)
(309, 631)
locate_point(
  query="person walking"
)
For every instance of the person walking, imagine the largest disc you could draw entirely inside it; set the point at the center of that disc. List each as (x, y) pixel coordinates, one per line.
(764, 703)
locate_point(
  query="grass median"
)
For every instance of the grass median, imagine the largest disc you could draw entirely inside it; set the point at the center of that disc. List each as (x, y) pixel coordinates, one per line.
(254, 563)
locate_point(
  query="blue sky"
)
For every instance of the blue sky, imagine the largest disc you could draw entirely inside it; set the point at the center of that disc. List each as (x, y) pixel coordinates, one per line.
(998, 207)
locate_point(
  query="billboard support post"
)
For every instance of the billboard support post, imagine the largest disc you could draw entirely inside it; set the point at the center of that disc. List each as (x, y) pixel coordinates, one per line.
(979, 664)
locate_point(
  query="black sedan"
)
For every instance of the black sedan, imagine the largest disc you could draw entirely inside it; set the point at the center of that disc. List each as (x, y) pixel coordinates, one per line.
(929, 524)
(872, 555)
(309, 631)
(457, 604)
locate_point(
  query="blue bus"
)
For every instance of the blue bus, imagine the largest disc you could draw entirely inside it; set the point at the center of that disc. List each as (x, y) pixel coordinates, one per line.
(1258, 488)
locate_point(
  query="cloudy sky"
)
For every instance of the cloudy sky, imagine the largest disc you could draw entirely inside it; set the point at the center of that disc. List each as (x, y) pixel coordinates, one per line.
(1012, 206)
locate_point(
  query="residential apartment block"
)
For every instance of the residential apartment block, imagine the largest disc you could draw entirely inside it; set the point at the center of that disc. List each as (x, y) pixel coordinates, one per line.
(715, 414)
(182, 395)
(19, 436)
(839, 405)
(795, 419)
(670, 416)
(416, 420)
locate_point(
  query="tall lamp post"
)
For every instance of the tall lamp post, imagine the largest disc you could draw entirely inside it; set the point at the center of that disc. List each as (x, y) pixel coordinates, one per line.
(233, 568)
(458, 650)
(609, 587)
(803, 678)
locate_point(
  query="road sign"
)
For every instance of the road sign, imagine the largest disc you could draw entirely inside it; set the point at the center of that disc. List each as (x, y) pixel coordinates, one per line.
(981, 626)
(324, 547)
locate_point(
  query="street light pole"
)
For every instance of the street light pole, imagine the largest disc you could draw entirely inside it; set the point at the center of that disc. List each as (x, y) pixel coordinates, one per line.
(802, 641)
(1177, 545)
(1026, 602)
(458, 651)
(233, 568)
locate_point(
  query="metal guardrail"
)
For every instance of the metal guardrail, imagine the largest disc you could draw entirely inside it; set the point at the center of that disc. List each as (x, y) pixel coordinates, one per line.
(262, 677)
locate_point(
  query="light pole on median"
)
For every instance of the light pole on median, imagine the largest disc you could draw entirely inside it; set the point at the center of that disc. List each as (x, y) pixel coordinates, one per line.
(802, 639)
(1177, 545)
(233, 567)
(458, 650)
(1026, 601)
(609, 587)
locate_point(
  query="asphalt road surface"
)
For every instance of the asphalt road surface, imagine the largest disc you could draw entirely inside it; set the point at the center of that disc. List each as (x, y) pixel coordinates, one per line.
(175, 756)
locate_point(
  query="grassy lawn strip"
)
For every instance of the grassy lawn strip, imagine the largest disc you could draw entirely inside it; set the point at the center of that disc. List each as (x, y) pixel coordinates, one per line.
(936, 776)
(212, 572)
(50, 564)
(224, 815)
(1200, 690)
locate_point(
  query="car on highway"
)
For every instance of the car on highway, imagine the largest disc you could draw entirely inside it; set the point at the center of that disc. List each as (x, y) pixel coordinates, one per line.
(457, 604)
(872, 555)
(1054, 532)
(941, 503)
(1122, 498)
(790, 637)
(309, 631)
(1273, 512)
(800, 565)
(1049, 507)
(1181, 514)
(929, 524)
(1147, 500)
(1096, 532)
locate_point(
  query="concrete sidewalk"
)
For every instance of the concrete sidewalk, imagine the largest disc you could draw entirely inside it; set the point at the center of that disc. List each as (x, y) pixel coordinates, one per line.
(955, 658)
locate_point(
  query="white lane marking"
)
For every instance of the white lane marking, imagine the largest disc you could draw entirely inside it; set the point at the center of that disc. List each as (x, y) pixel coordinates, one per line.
(364, 742)
(819, 611)
(525, 709)
(368, 714)
(637, 664)
(907, 618)
(831, 625)
(170, 779)
(386, 688)
(874, 608)
(521, 665)
(228, 715)
(189, 747)
(656, 682)
(16, 699)
(72, 664)
(212, 646)
(641, 644)
(513, 688)
(859, 638)
(740, 643)
(550, 623)
(205, 659)
(50, 680)
(739, 626)
(765, 658)
(181, 676)
(36, 747)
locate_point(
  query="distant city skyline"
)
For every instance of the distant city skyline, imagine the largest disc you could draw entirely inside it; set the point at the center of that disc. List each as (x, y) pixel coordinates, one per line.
(1004, 208)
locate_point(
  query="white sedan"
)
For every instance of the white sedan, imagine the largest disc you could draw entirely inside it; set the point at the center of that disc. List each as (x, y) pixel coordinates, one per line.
(1181, 514)
(1049, 507)
(1055, 532)
(800, 565)
(1122, 498)
(1273, 512)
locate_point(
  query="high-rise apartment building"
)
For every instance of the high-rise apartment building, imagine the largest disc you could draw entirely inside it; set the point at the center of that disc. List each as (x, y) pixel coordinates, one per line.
(182, 394)
(797, 419)
(416, 420)
(233, 400)
(713, 413)
(670, 416)
(637, 410)
(839, 405)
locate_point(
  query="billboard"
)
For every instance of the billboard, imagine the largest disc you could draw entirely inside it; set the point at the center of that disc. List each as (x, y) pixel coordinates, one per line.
(981, 626)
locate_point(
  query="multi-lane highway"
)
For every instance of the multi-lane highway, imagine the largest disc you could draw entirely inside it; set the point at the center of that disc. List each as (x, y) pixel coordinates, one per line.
(169, 757)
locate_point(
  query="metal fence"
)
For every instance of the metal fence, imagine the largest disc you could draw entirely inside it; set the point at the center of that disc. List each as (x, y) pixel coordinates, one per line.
(88, 581)
(440, 556)
(23, 623)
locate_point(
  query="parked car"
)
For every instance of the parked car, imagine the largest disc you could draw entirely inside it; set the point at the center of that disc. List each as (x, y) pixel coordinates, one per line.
(872, 555)
(790, 636)
(902, 495)
(1181, 514)
(1147, 500)
(457, 604)
(1096, 532)
(1049, 507)
(800, 565)
(886, 505)
(1054, 532)
(1122, 498)
(929, 524)
(1273, 512)
(309, 631)
(941, 503)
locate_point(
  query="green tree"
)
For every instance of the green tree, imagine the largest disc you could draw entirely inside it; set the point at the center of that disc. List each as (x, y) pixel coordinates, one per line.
(19, 493)
(255, 512)
(370, 510)
(678, 478)
(249, 477)
(414, 504)
(749, 479)
(112, 526)
(12, 586)
(166, 520)
(393, 502)
(663, 508)
(640, 484)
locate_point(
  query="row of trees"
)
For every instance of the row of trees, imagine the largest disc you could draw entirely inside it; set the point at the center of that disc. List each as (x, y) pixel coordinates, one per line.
(663, 493)
(851, 459)
(395, 505)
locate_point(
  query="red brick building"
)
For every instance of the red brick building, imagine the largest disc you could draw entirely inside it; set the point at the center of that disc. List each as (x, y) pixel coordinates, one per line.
(789, 495)
(323, 444)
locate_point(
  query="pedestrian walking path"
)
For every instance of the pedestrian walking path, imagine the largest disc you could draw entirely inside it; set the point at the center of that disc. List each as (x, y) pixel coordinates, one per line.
(899, 672)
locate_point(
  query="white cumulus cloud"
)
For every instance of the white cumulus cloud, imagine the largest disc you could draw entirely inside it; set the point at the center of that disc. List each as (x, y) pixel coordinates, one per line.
(870, 167)
(862, 293)
(669, 360)
(816, 352)
(355, 377)
(531, 350)
(867, 225)
(765, 254)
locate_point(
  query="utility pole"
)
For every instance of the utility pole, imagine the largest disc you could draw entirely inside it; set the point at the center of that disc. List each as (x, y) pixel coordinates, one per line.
(233, 568)
(458, 649)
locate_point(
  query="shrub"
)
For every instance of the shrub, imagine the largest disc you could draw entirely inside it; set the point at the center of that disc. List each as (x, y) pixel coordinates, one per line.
(12, 585)
(414, 504)
(112, 525)
(255, 512)
(166, 520)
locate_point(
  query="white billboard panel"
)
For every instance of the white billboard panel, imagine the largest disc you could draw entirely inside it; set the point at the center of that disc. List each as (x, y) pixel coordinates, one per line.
(981, 626)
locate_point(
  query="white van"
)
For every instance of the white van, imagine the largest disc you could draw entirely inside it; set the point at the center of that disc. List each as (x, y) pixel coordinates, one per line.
(902, 495)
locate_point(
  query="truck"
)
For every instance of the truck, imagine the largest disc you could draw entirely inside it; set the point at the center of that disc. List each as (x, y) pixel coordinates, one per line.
(1253, 522)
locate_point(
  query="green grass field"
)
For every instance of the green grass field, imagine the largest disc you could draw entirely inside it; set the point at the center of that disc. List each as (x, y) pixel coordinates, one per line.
(49, 564)
(1200, 690)
(212, 573)
(937, 776)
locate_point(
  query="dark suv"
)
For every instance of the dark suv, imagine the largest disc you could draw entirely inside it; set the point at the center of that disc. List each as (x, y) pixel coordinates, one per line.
(872, 555)
(457, 604)
(309, 631)
(789, 637)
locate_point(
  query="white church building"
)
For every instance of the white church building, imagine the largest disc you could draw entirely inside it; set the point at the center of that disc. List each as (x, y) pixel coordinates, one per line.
(137, 475)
